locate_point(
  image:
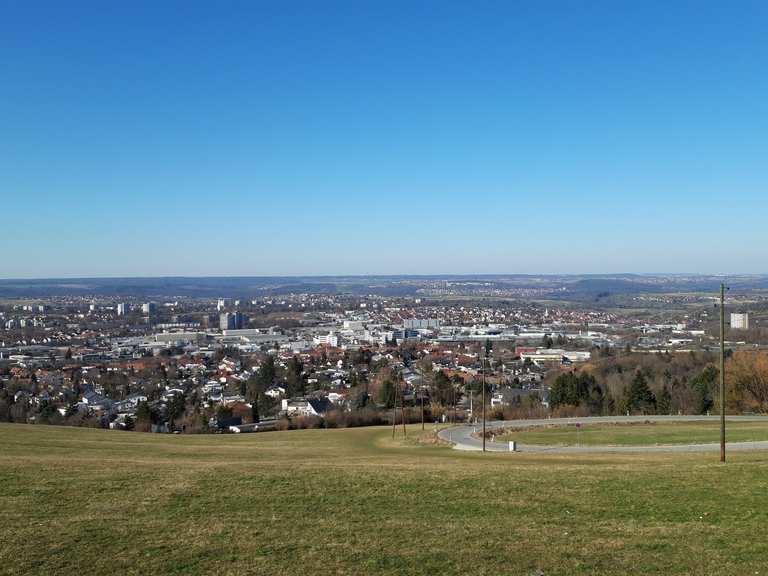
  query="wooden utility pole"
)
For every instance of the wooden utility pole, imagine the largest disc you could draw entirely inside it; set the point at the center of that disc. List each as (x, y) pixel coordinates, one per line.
(722, 372)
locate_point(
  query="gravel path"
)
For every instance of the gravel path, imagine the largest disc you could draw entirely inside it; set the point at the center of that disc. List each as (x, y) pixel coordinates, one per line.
(462, 439)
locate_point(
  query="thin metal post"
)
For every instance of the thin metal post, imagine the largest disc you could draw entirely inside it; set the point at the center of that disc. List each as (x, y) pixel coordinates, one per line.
(394, 410)
(402, 408)
(722, 372)
(453, 414)
(483, 404)
(422, 408)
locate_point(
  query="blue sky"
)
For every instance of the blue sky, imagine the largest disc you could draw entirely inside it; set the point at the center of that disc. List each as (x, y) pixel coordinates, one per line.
(249, 138)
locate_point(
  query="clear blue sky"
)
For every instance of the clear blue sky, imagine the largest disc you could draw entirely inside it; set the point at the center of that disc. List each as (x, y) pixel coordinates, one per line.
(254, 138)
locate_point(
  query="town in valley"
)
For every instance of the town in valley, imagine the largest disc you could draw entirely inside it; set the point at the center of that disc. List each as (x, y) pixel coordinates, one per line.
(275, 354)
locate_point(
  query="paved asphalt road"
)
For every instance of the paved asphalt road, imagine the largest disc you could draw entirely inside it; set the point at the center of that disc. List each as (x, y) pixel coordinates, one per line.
(462, 439)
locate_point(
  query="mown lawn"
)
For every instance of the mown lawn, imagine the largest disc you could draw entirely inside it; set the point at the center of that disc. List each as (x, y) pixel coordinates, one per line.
(79, 501)
(638, 434)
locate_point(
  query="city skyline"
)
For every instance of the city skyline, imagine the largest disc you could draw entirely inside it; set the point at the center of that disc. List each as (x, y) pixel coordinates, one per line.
(272, 140)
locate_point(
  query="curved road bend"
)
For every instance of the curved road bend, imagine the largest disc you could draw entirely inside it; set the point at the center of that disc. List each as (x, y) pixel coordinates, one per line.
(461, 436)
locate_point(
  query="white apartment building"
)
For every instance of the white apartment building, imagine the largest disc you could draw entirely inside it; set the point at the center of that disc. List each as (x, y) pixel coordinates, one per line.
(740, 320)
(329, 339)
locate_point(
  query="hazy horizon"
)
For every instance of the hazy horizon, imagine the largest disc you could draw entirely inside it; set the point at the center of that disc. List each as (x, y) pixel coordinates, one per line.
(385, 275)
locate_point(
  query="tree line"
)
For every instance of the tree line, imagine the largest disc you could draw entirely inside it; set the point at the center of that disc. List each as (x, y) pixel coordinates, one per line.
(663, 384)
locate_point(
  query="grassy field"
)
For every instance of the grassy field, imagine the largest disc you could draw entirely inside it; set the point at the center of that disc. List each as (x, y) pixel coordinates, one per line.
(638, 434)
(81, 501)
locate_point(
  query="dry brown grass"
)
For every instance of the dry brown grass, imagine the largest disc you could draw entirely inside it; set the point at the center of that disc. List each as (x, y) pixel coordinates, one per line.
(353, 501)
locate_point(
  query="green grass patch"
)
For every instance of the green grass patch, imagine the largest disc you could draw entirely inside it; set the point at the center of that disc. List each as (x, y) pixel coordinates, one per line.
(637, 434)
(354, 501)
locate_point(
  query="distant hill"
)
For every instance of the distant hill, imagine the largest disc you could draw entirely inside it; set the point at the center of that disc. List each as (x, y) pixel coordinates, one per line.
(575, 287)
